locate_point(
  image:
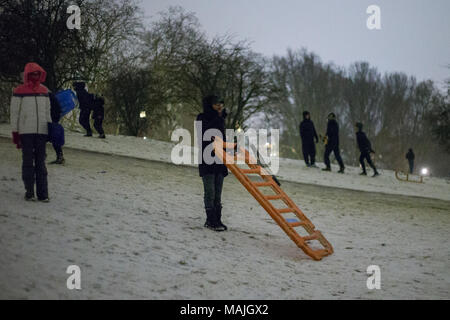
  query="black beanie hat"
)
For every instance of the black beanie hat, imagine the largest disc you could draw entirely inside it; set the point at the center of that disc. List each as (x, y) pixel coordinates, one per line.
(79, 85)
(305, 113)
(331, 115)
(359, 125)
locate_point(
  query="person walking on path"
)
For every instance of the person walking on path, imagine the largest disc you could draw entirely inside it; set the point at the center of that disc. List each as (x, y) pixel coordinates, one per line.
(332, 145)
(365, 147)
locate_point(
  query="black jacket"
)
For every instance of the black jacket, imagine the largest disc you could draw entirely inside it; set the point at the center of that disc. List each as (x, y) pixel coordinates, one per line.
(308, 132)
(332, 133)
(364, 144)
(410, 155)
(85, 99)
(210, 119)
(55, 108)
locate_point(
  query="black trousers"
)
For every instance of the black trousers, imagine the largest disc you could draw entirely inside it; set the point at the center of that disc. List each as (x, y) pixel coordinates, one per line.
(411, 166)
(98, 124)
(58, 149)
(309, 152)
(366, 156)
(212, 186)
(33, 164)
(337, 155)
(84, 119)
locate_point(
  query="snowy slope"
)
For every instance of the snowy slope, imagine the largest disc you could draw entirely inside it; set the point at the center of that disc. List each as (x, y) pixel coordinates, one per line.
(135, 229)
(290, 170)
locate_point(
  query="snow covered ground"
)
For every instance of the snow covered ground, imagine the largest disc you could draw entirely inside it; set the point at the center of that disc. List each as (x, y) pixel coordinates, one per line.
(290, 170)
(134, 227)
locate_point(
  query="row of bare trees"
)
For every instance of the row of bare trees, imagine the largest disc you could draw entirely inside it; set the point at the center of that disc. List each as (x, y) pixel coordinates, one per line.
(397, 111)
(165, 68)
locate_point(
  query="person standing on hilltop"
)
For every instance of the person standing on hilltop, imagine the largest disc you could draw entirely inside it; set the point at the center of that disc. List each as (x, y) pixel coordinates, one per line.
(30, 115)
(213, 174)
(309, 138)
(410, 157)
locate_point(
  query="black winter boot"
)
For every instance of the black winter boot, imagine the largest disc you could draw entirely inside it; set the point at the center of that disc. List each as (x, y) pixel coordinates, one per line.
(29, 196)
(211, 220)
(218, 209)
(59, 159)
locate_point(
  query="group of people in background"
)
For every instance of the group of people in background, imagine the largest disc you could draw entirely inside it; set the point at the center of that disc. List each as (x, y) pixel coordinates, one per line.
(89, 102)
(34, 107)
(309, 138)
(34, 112)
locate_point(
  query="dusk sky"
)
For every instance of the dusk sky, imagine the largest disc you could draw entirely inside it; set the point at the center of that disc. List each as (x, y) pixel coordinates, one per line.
(414, 36)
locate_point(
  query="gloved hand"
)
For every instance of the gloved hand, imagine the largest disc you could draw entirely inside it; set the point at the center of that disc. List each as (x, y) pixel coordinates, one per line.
(16, 139)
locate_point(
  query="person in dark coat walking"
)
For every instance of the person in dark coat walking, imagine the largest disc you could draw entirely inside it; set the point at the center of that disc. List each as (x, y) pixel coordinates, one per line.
(86, 101)
(98, 115)
(365, 147)
(30, 115)
(410, 156)
(55, 113)
(213, 174)
(309, 139)
(332, 145)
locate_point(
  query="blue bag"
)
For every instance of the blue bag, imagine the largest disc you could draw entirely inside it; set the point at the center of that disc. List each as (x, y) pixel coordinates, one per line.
(56, 134)
(67, 101)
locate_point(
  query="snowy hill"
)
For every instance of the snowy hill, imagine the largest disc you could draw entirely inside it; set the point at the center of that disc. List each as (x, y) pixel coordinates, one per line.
(290, 170)
(134, 227)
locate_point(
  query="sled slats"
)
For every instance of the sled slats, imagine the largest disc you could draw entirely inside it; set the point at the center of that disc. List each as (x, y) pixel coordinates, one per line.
(285, 210)
(274, 197)
(313, 236)
(288, 225)
(263, 184)
(297, 224)
(247, 171)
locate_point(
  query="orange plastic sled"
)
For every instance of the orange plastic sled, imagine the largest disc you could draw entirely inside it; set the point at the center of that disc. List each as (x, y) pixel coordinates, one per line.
(288, 225)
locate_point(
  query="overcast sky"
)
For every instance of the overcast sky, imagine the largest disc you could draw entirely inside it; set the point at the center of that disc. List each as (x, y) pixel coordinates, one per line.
(414, 36)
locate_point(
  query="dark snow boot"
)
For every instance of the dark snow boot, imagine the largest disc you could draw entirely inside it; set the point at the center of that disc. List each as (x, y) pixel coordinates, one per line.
(341, 170)
(375, 174)
(218, 210)
(211, 220)
(88, 134)
(326, 169)
(102, 136)
(29, 196)
(363, 173)
(59, 159)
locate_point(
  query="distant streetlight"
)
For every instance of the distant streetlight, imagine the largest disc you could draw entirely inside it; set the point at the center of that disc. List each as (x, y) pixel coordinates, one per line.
(424, 171)
(142, 115)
